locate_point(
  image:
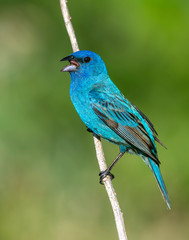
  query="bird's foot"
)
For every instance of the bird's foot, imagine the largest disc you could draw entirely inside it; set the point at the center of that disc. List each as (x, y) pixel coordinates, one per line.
(104, 174)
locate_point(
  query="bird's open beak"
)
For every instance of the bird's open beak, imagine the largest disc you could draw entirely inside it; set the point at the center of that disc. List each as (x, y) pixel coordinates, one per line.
(74, 64)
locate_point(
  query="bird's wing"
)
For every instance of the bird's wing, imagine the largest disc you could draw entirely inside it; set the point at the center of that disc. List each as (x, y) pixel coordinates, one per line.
(122, 117)
(151, 126)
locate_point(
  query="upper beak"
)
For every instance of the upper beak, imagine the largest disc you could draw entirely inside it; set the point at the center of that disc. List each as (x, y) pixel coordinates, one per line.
(74, 64)
(68, 58)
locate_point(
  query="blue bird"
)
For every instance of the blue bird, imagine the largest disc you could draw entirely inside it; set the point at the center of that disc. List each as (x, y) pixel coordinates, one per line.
(106, 112)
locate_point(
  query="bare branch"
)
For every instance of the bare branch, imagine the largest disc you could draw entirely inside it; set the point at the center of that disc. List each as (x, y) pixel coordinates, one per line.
(69, 27)
(118, 215)
(98, 145)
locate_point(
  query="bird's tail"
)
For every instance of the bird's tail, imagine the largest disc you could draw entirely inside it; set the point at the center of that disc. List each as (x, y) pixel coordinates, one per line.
(155, 169)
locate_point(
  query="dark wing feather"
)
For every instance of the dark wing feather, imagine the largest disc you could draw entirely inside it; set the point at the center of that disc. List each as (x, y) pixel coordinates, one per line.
(127, 126)
(151, 126)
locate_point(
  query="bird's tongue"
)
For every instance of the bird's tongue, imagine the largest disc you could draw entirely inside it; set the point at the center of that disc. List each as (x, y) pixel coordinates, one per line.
(71, 68)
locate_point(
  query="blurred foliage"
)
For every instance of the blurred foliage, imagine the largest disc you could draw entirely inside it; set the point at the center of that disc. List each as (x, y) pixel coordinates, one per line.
(48, 171)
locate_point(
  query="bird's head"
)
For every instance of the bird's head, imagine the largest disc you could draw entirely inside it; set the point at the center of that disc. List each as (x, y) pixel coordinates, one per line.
(84, 63)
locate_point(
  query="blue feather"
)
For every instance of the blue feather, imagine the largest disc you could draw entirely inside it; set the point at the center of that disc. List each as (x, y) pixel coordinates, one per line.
(155, 169)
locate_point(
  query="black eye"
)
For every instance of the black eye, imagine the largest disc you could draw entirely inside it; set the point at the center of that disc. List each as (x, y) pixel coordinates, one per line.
(87, 59)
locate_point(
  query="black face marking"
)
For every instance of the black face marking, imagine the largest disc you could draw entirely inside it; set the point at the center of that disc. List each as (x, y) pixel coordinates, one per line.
(87, 59)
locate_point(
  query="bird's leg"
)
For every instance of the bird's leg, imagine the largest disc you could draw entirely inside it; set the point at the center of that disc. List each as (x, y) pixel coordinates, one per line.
(103, 174)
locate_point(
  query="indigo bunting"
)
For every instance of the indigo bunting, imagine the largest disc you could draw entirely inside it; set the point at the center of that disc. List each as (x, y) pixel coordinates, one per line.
(107, 113)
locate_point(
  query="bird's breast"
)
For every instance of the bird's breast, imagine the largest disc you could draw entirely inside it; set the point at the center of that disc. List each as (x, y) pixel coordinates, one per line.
(79, 97)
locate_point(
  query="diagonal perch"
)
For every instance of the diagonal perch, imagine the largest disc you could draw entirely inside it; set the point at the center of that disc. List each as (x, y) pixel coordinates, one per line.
(98, 145)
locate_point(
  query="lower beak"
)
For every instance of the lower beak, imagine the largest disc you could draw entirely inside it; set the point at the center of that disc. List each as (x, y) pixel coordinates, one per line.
(71, 68)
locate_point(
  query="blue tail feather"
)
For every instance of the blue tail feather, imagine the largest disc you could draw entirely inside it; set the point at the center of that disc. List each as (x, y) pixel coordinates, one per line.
(155, 169)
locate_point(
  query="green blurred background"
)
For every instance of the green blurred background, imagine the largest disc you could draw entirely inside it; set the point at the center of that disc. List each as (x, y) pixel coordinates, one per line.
(48, 170)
